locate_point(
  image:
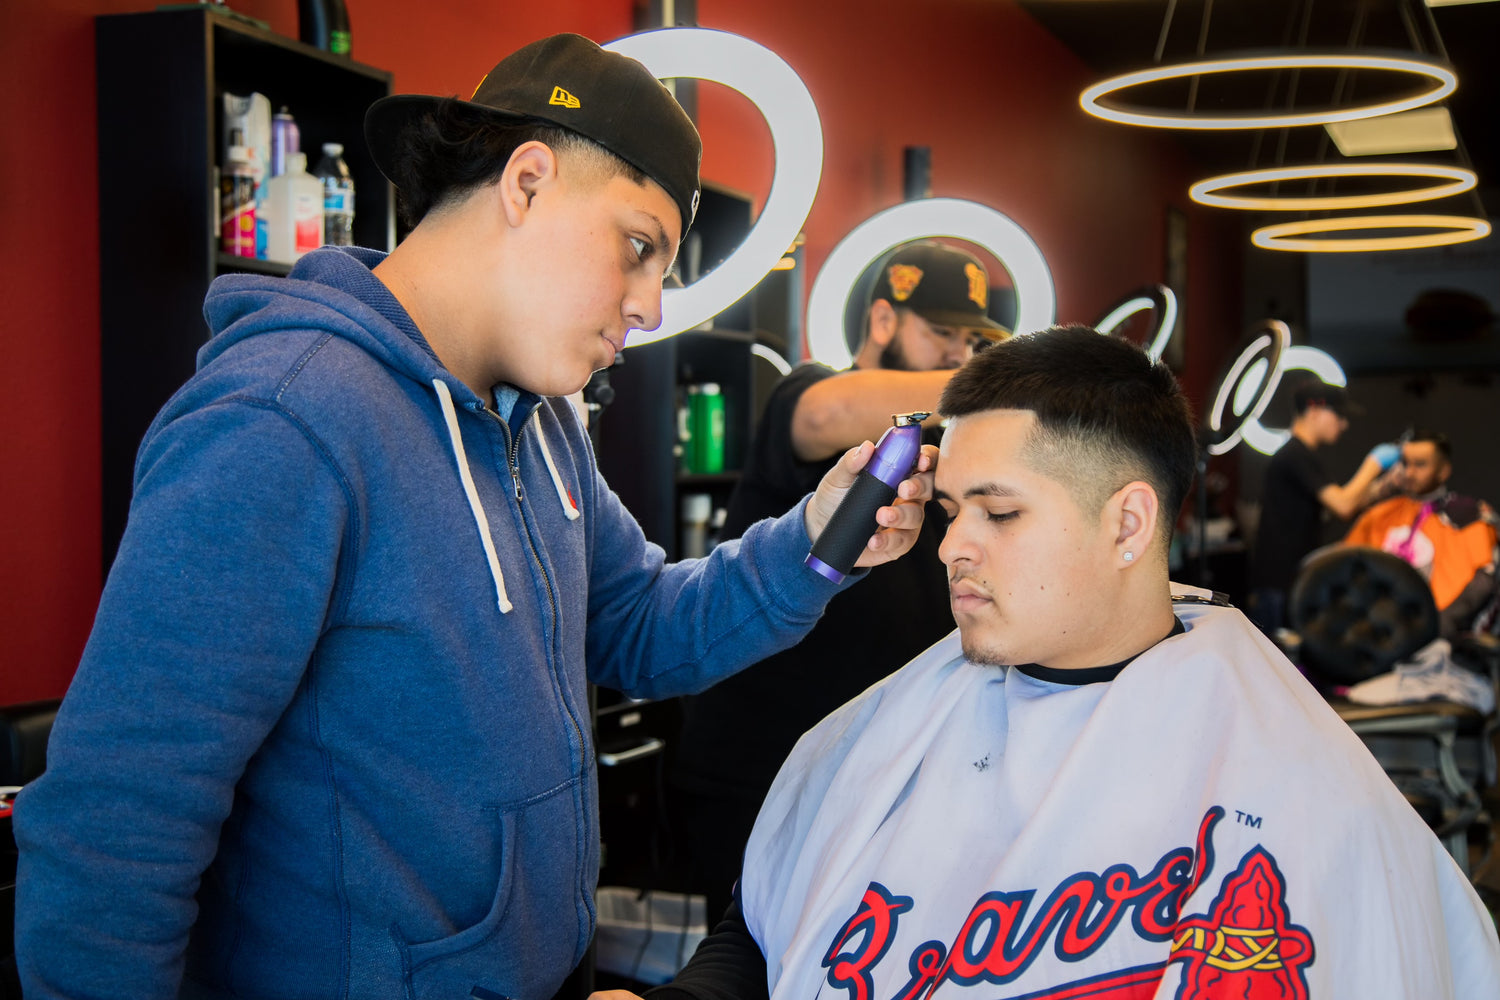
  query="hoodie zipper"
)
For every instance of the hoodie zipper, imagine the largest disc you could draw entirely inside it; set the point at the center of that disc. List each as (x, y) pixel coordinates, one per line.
(512, 450)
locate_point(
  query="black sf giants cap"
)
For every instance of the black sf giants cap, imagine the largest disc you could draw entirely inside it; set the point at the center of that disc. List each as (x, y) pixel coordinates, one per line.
(943, 285)
(569, 81)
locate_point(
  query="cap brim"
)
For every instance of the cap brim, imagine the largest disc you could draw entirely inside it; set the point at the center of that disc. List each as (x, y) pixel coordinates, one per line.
(983, 324)
(387, 117)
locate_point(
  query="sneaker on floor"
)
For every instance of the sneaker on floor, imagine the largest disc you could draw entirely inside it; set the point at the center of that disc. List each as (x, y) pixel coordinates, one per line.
(1430, 675)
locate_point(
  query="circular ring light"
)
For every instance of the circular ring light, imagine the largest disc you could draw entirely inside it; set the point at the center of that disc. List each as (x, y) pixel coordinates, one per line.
(1251, 378)
(1036, 302)
(1160, 300)
(775, 360)
(1442, 82)
(1457, 180)
(1268, 440)
(1447, 229)
(796, 133)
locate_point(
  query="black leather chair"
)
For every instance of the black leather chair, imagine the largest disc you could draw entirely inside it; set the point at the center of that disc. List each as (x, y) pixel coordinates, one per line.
(24, 730)
(1355, 613)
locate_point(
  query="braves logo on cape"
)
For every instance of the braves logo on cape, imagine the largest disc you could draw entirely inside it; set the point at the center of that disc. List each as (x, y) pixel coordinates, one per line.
(1244, 946)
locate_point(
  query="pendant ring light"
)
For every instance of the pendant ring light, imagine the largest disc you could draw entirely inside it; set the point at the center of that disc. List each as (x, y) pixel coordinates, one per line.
(1447, 229)
(1456, 180)
(1441, 81)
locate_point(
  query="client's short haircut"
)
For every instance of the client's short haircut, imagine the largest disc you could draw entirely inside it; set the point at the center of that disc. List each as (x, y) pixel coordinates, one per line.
(1439, 440)
(1107, 415)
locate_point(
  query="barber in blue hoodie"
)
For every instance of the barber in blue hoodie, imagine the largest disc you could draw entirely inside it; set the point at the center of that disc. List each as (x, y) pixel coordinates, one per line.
(330, 736)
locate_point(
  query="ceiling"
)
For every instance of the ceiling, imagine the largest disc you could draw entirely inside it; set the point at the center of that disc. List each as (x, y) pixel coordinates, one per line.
(1120, 36)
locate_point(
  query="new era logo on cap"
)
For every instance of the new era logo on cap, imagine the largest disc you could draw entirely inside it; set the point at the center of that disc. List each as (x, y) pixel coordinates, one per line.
(611, 99)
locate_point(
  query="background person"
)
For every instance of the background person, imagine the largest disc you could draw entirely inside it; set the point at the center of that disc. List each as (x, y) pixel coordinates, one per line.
(926, 316)
(1298, 492)
(1449, 537)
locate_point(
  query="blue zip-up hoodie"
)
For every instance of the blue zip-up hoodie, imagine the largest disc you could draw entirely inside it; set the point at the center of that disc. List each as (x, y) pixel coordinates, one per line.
(330, 737)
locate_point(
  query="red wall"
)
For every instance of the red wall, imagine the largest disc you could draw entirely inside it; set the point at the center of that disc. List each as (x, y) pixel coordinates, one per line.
(996, 98)
(976, 80)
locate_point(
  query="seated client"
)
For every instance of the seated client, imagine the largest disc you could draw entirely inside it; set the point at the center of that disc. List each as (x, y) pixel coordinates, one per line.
(1087, 789)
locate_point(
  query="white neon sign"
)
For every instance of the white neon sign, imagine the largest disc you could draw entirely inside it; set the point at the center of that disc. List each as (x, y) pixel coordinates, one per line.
(1252, 381)
(796, 133)
(1158, 298)
(1036, 302)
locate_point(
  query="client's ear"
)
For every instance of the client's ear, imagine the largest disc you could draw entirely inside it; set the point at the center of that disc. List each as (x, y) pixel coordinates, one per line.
(1133, 510)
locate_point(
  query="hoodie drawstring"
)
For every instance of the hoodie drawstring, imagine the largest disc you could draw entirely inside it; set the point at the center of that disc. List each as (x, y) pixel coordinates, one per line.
(563, 496)
(475, 507)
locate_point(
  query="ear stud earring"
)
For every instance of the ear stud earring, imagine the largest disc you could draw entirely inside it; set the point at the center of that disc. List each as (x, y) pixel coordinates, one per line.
(1129, 557)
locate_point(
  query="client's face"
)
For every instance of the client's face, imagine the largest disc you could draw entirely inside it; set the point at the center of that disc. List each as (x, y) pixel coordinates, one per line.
(1423, 468)
(1026, 566)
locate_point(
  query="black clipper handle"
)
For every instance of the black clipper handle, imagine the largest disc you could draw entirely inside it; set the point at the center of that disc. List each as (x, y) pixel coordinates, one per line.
(852, 524)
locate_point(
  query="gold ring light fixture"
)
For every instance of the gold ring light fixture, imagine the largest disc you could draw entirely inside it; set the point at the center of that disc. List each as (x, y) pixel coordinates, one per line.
(1444, 230)
(1439, 79)
(1214, 190)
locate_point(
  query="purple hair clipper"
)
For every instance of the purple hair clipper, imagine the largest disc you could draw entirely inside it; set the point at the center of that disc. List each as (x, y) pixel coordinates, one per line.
(850, 527)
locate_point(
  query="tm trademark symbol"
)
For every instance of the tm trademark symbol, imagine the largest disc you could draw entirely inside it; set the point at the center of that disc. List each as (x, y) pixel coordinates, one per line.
(1245, 819)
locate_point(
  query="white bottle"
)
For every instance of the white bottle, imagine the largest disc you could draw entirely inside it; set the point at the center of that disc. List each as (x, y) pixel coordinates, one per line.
(294, 212)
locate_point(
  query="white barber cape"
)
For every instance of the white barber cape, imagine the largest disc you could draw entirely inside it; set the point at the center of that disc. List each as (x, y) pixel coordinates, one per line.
(1204, 826)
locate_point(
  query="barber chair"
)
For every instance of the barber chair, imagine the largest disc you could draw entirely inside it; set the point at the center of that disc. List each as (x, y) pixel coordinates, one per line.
(1356, 612)
(24, 730)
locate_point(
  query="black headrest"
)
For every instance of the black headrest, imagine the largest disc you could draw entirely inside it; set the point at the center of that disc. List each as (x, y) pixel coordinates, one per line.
(1359, 611)
(24, 730)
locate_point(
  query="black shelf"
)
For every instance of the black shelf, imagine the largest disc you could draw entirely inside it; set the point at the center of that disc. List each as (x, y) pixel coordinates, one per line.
(638, 430)
(227, 263)
(161, 77)
(706, 481)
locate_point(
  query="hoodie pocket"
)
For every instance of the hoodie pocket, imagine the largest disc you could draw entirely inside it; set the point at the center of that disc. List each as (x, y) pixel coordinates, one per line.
(529, 935)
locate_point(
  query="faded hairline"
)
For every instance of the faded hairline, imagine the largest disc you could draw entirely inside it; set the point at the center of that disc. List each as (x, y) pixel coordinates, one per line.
(1092, 466)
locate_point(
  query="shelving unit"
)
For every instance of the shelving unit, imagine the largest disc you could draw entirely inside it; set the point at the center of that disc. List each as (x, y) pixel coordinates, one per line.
(161, 80)
(637, 432)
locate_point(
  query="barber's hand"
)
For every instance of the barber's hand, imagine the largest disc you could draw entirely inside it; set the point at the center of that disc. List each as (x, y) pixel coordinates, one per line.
(900, 523)
(613, 995)
(1386, 455)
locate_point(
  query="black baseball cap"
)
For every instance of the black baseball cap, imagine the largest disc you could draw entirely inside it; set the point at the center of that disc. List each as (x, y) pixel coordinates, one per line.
(569, 81)
(1332, 397)
(943, 285)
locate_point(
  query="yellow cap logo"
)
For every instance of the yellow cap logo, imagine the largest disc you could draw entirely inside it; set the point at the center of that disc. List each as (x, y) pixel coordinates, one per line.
(979, 286)
(481, 84)
(904, 280)
(563, 98)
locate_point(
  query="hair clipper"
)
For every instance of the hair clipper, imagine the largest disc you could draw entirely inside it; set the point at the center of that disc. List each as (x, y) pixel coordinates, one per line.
(849, 529)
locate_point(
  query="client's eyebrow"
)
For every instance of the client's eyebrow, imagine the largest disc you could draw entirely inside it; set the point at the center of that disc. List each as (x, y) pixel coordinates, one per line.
(982, 490)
